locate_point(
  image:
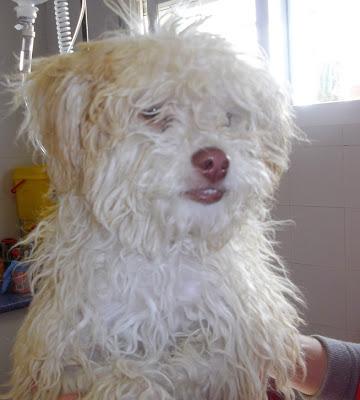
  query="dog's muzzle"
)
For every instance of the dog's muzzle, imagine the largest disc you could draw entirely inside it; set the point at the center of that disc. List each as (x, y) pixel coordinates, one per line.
(212, 164)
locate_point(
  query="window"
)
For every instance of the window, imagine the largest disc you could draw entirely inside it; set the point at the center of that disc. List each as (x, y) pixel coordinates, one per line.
(324, 50)
(233, 19)
(313, 44)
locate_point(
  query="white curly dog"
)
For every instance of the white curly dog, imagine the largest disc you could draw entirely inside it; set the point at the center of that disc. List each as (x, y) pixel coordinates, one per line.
(155, 276)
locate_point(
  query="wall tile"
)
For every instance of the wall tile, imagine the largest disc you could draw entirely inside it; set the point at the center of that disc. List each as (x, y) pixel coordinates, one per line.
(325, 293)
(323, 330)
(8, 218)
(353, 337)
(324, 135)
(317, 176)
(351, 135)
(284, 234)
(13, 148)
(352, 176)
(353, 285)
(337, 113)
(322, 234)
(283, 193)
(352, 237)
(10, 323)
(319, 237)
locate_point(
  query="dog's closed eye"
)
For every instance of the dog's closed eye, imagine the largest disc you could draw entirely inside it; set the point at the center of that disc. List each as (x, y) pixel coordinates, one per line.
(151, 113)
(154, 117)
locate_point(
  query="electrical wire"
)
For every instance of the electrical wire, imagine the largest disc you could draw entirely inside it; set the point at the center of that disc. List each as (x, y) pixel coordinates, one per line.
(78, 25)
(63, 27)
(62, 16)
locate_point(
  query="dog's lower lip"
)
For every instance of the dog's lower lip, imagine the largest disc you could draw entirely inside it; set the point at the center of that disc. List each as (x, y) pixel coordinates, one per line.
(205, 195)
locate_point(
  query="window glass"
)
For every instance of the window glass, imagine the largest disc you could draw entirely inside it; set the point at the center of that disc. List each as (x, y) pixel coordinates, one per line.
(233, 19)
(324, 43)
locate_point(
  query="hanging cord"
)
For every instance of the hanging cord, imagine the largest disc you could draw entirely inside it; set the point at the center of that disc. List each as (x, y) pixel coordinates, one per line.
(62, 16)
(85, 26)
(63, 27)
(78, 25)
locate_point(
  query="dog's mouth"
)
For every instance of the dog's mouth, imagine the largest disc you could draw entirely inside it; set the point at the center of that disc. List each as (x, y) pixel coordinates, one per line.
(208, 195)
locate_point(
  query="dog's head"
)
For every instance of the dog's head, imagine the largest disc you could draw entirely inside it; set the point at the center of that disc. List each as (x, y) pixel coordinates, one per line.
(171, 129)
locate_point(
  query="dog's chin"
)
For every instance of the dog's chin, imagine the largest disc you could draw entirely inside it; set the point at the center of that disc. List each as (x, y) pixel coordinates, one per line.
(204, 213)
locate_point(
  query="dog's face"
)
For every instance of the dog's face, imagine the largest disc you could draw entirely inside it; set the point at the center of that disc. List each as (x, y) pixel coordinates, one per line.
(172, 129)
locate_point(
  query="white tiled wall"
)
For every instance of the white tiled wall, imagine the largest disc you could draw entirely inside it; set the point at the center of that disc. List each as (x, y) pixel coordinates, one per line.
(321, 194)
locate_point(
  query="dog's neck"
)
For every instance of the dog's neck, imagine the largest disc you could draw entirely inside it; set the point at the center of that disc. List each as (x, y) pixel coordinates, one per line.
(133, 234)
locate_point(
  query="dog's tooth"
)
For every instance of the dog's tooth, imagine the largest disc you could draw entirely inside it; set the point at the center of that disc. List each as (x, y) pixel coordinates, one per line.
(210, 191)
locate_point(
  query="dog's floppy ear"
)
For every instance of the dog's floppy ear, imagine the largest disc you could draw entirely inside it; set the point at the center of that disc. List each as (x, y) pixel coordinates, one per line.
(275, 121)
(56, 98)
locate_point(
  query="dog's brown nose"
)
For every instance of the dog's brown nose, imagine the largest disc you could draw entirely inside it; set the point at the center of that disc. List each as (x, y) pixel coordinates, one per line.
(212, 163)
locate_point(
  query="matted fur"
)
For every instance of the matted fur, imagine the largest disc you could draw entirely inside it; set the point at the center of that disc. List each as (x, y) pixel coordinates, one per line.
(139, 292)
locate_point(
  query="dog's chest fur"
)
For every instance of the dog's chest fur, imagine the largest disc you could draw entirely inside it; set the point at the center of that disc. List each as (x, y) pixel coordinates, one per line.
(159, 312)
(170, 292)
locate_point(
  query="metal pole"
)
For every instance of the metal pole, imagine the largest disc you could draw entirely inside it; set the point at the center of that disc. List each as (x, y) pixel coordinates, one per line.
(152, 13)
(287, 50)
(262, 24)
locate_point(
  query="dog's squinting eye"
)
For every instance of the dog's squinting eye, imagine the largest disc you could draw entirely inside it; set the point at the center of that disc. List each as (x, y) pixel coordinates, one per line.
(151, 113)
(153, 116)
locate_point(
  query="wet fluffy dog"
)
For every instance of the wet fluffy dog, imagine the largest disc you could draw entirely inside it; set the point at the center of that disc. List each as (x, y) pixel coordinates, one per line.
(155, 277)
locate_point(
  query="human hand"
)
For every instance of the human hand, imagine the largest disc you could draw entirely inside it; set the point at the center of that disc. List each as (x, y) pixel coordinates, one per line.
(316, 366)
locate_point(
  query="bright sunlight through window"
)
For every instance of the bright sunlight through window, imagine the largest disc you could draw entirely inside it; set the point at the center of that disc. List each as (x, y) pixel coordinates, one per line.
(324, 50)
(234, 20)
(313, 44)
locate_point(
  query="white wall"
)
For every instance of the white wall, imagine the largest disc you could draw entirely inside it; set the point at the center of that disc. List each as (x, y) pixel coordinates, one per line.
(321, 193)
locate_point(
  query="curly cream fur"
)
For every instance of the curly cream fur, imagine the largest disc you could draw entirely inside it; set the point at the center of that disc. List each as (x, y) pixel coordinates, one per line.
(139, 292)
